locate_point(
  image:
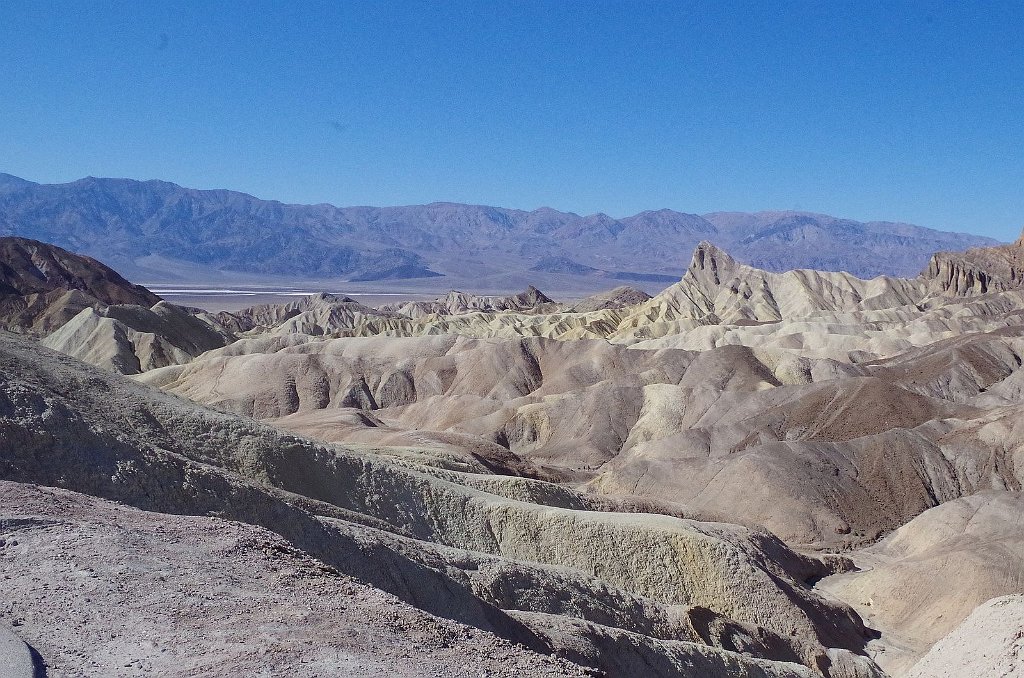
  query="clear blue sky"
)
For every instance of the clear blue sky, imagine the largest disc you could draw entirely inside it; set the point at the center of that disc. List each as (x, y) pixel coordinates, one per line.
(871, 110)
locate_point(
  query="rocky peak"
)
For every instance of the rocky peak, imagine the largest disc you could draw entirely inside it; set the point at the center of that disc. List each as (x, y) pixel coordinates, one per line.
(711, 262)
(977, 271)
(534, 296)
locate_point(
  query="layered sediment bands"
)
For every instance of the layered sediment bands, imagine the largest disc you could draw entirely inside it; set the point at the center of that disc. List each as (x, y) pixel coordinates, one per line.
(131, 592)
(85, 309)
(133, 339)
(30, 267)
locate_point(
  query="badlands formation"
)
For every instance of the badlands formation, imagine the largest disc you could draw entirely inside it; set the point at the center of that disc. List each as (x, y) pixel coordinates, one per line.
(748, 474)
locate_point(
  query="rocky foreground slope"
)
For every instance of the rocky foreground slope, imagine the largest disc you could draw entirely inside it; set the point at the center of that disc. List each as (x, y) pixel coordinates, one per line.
(750, 473)
(102, 588)
(927, 577)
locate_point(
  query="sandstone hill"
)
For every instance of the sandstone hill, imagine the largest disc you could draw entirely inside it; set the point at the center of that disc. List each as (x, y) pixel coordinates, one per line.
(928, 576)
(979, 270)
(531, 300)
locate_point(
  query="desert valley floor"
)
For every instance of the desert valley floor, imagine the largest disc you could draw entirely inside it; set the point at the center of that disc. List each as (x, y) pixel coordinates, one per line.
(747, 474)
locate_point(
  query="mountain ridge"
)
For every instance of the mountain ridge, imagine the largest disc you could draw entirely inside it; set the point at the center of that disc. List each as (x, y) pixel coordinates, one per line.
(148, 229)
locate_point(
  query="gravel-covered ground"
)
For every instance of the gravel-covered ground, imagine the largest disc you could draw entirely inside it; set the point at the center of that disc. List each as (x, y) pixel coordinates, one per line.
(101, 589)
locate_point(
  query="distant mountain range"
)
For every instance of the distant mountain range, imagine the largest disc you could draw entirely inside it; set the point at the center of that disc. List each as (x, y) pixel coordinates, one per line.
(159, 231)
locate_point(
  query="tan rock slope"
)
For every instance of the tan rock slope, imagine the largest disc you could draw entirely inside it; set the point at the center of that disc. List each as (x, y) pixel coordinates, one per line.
(979, 270)
(841, 453)
(134, 339)
(988, 644)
